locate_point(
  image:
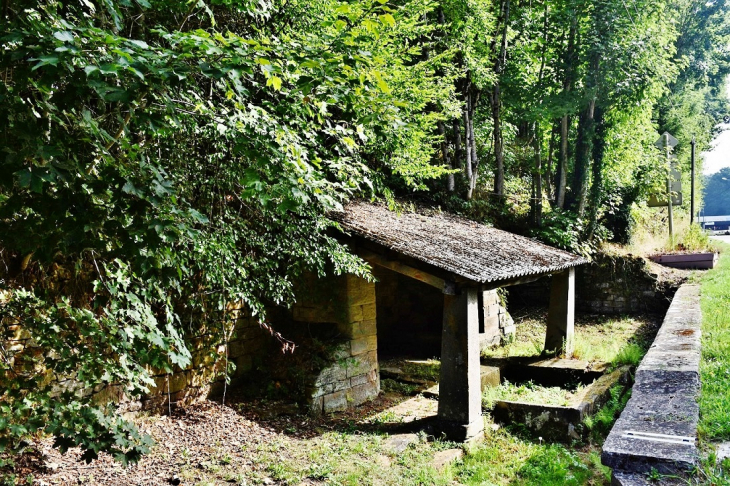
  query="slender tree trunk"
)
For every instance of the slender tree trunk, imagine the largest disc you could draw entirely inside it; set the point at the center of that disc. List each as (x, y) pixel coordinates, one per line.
(561, 178)
(498, 147)
(599, 146)
(583, 152)
(450, 182)
(496, 105)
(458, 153)
(467, 148)
(562, 170)
(474, 99)
(537, 176)
(549, 168)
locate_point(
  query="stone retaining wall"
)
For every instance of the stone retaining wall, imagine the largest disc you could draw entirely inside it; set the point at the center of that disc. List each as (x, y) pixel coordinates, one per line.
(610, 284)
(658, 428)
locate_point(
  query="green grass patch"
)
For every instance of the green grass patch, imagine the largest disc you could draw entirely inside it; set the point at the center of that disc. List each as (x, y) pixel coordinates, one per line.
(528, 392)
(715, 365)
(505, 458)
(598, 339)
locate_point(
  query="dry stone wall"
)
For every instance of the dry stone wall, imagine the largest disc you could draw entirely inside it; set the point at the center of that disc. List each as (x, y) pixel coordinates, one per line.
(610, 284)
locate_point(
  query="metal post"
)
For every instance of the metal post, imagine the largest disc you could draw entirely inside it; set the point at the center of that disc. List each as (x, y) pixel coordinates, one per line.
(692, 189)
(669, 189)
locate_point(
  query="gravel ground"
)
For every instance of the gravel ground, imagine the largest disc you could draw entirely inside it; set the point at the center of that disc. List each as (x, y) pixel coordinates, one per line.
(205, 443)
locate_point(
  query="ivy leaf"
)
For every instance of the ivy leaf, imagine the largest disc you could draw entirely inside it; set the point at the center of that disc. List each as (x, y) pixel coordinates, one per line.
(64, 36)
(274, 81)
(387, 19)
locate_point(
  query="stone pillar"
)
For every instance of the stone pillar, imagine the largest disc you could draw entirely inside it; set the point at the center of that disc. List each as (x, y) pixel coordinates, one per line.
(561, 313)
(460, 404)
(352, 377)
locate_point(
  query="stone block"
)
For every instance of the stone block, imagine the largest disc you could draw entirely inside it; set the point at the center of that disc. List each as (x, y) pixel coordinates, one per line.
(362, 363)
(355, 313)
(331, 374)
(359, 297)
(363, 345)
(369, 312)
(491, 324)
(334, 402)
(368, 328)
(489, 376)
(361, 393)
(177, 381)
(203, 358)
(370, 377)
(443, 458)
(491, 310)
(340, 385)
(490, 297)
(316, 405)
(399, 442)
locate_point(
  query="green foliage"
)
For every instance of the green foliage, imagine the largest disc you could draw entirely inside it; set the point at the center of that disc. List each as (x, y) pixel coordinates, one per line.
(630, 355)
(599, 425)
(184, 157)
(564, 229)
(528, 392)
(694, 239)
(715, 365)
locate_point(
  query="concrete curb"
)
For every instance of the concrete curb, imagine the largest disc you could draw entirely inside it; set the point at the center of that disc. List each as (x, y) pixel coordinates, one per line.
(658, 428)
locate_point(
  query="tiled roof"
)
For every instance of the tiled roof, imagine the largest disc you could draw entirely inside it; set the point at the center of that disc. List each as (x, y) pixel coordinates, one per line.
(461, 247)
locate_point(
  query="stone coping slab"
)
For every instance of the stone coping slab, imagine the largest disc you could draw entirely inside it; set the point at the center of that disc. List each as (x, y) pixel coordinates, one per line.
(658, 428)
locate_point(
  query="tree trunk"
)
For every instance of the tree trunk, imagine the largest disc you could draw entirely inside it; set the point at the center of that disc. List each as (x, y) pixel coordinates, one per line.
(458, 155)
(467, 149)
(562, 169)
(450, 182)
(474, 99)
(599, 146)
(496, 102)
(549, 168)
(583, 152)
(537, 177)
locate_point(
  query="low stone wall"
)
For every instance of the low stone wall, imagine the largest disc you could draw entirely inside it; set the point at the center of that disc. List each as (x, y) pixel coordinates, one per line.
(334, 318)
(610, 284)
(658, 428)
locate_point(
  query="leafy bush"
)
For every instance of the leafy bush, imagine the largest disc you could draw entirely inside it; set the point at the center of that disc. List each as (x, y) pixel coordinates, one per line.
(182, 166)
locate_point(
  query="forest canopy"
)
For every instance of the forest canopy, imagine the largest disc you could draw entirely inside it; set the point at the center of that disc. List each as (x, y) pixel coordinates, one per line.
(176, 157)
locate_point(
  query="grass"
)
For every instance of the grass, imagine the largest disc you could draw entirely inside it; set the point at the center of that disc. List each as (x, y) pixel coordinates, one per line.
(504, 457)
(715, 364)
(598, 339)
(528, 392)
(714, 425)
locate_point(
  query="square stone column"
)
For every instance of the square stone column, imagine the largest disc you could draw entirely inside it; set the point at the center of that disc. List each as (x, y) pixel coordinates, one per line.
(561, 314)
(460, 394)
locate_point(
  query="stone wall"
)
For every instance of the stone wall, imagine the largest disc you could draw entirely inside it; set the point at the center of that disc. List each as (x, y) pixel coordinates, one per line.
(339, 371)
(610, 284)
(495, 323)
(204, 377)
(351, 377)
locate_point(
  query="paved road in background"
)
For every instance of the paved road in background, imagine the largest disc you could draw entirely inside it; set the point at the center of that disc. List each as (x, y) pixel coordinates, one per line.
(723, 238)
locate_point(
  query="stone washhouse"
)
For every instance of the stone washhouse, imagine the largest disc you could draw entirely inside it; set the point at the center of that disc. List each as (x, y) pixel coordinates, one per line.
(462, 264)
